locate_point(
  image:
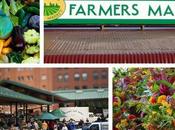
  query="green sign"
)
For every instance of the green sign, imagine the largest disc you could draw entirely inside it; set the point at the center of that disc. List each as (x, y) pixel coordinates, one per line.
(109, 12)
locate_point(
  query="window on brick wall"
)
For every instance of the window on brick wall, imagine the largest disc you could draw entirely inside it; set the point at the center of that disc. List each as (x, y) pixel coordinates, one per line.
(104, 74)
(84, 76)
(43, 77)
(60, 78)
(66, 77)
(95, 75)
(77, 76)
(77, 87)
(84, 87)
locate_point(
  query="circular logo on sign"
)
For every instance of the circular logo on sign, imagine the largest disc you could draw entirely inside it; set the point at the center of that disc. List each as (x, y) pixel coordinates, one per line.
(53, 9)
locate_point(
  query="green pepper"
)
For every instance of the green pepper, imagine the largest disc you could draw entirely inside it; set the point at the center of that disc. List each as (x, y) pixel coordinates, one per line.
(32, 10)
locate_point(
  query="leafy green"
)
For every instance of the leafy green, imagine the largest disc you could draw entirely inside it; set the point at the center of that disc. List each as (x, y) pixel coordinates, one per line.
(15, 20)
(166, 83)
(15, 57)
(19, 5)
(173, 96)
(1, 5)
(155, 87)
(5, 7)
(13, 7)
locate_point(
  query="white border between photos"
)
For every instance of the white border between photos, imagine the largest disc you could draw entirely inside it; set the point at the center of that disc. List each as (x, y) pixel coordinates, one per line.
(41, 31)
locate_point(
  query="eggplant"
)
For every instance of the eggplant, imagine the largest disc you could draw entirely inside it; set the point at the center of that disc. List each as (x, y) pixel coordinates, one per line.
(18, 43)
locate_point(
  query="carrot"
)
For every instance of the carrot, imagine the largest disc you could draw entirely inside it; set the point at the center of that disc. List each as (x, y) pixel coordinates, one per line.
(7, 42)
(1, 45)
(6, 50)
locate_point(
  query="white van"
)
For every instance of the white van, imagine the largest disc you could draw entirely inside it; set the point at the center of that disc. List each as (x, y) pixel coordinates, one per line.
(98, 126)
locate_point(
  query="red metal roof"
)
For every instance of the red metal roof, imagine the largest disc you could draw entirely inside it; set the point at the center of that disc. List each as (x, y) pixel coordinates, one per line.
(111, 46)
(113, 58)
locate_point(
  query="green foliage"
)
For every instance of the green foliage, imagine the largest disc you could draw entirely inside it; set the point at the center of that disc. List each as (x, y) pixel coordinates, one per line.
(155, 87)
(15, 57)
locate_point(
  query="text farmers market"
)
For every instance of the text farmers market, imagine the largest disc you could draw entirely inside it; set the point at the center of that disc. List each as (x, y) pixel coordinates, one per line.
(119, 10)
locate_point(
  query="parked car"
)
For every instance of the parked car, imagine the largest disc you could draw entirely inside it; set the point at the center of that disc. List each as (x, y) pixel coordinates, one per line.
(97, 126)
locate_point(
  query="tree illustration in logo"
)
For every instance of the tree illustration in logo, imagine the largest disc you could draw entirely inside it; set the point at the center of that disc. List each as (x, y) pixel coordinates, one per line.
(50, 8)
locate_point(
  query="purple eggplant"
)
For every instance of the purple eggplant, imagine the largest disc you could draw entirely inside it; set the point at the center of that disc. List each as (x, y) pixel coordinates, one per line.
(18, 39)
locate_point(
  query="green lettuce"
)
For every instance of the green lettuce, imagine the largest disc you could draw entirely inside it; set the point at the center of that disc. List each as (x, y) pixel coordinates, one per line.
(5, 7)
(13, 7)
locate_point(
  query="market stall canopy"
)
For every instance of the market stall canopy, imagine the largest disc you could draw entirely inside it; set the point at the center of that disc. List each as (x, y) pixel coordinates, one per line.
(32, 91)
(58, 113)
(47, 116)
(9, 96)
(85, 94)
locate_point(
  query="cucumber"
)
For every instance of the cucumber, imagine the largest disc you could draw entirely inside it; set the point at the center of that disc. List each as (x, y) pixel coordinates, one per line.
(32, 10)
(21, 14)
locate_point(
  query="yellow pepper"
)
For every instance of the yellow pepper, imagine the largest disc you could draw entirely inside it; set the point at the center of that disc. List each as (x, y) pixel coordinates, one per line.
(7, 42)
(1, 45)
(6, 50)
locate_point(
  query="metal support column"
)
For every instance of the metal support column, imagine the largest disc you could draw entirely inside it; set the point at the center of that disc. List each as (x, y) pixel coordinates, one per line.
(16, 109)
(142, 27)
(11, 109)
(48, 108)
(26, 111)
(41, 108)
(102, 27)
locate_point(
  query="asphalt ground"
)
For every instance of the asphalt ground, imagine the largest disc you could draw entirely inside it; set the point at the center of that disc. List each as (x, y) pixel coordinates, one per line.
(84, 42)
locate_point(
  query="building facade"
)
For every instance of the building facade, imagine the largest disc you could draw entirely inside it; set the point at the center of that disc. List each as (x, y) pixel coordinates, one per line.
(53, 79)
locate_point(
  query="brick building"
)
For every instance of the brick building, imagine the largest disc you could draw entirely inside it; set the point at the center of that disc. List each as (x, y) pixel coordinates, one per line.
(58, 79)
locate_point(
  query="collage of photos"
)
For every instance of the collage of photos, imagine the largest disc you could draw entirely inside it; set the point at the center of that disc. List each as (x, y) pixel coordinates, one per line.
(87, 64)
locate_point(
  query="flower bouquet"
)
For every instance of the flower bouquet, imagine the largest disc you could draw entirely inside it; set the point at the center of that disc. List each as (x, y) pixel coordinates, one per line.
(144, 99)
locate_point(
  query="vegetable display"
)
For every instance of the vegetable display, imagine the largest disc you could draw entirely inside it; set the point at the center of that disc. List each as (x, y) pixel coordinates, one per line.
(19, 31)
(144, 99)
